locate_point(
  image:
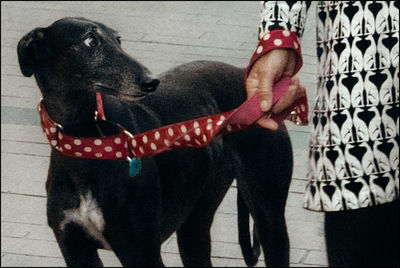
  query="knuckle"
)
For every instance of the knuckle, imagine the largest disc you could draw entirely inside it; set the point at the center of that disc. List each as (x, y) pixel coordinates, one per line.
(292, 91)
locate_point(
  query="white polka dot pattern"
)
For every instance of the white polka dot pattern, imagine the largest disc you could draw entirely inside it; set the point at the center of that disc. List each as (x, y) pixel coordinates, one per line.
(277, 42)
(285, 33)
(153, 146)
(180, 135)
(108, 148)
(193, 133)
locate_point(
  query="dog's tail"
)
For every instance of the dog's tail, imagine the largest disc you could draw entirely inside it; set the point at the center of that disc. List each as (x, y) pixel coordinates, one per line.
(250, 253)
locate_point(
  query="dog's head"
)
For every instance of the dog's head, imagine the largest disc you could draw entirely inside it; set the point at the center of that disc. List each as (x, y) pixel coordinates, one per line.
(74, 57)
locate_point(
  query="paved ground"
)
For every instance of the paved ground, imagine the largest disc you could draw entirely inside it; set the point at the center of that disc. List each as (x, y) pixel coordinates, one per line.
(161, 35)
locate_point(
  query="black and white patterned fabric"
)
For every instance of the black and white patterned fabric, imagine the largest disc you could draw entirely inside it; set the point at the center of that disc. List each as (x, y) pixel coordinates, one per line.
(354, 147)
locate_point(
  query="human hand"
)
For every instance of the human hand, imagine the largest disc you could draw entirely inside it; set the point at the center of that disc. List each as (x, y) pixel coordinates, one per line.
(267, 70)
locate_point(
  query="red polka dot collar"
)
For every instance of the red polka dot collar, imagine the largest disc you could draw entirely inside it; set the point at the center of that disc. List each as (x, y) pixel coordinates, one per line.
(194, 133)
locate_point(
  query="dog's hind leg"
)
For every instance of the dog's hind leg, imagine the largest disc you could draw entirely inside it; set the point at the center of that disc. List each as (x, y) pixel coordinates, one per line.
(264, 184)
(78, 249)
(269, 219)
(272, 234)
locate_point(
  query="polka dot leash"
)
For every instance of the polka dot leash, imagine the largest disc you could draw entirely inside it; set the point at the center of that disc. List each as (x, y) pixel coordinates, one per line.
(194, 133)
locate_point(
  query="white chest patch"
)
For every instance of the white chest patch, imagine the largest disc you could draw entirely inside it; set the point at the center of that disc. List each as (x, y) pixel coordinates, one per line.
(89, 216)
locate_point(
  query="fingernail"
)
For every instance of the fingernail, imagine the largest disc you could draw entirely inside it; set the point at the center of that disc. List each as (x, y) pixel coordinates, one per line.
(264, 106)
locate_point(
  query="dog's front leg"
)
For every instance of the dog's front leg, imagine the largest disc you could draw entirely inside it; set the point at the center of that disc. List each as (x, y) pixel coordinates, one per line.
(78, 249)
(138, 244)
(133, 227)
(77, 245)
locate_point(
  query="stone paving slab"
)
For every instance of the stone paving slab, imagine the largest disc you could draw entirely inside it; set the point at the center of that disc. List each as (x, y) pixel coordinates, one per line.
(20, 260)
(161, 35)
(316, 257)
(28, 167)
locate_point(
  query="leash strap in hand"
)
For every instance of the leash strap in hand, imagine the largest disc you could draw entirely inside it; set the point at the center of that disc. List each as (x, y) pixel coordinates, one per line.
(201, 131)
(193, 133)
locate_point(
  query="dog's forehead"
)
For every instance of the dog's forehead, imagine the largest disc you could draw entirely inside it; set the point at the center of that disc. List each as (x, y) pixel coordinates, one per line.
(75, 27)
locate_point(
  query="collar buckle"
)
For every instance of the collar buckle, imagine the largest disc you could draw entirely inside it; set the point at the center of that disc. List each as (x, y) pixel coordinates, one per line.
(59, 129)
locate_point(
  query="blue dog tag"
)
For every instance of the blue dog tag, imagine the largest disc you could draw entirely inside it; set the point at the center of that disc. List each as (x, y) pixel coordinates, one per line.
(134, 166)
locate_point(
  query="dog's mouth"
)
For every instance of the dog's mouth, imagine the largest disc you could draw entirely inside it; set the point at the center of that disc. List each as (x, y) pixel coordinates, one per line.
(115, 92)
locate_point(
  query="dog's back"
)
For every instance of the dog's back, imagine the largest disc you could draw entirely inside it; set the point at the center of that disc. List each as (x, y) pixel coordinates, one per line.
(197, 89)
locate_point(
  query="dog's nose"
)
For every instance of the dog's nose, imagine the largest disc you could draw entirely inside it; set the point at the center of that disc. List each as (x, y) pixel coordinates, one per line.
(150, 83)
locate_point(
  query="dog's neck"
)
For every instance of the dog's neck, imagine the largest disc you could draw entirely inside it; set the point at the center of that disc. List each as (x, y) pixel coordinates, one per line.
(75, 115)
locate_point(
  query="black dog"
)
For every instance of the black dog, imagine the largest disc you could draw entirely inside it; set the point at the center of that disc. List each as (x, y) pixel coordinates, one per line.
(95, 203)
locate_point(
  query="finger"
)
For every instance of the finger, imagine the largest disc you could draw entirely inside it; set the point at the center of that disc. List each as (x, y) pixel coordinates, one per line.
(295, 80)
(265, 93)
(268, 123)
(251, 87)
(252, 83)
(292, 93)
(291, 63)
(302, 91)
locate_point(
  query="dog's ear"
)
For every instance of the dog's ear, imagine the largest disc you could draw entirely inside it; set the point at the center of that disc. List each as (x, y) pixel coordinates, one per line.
(30, 50)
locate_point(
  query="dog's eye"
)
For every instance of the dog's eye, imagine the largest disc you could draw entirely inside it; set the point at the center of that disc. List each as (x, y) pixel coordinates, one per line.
(91, 41)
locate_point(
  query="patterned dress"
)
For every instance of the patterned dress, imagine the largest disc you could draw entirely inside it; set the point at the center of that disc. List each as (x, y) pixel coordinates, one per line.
(354, 146)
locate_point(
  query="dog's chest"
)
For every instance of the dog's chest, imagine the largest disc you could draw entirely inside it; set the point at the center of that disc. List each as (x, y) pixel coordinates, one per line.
(89, 216)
